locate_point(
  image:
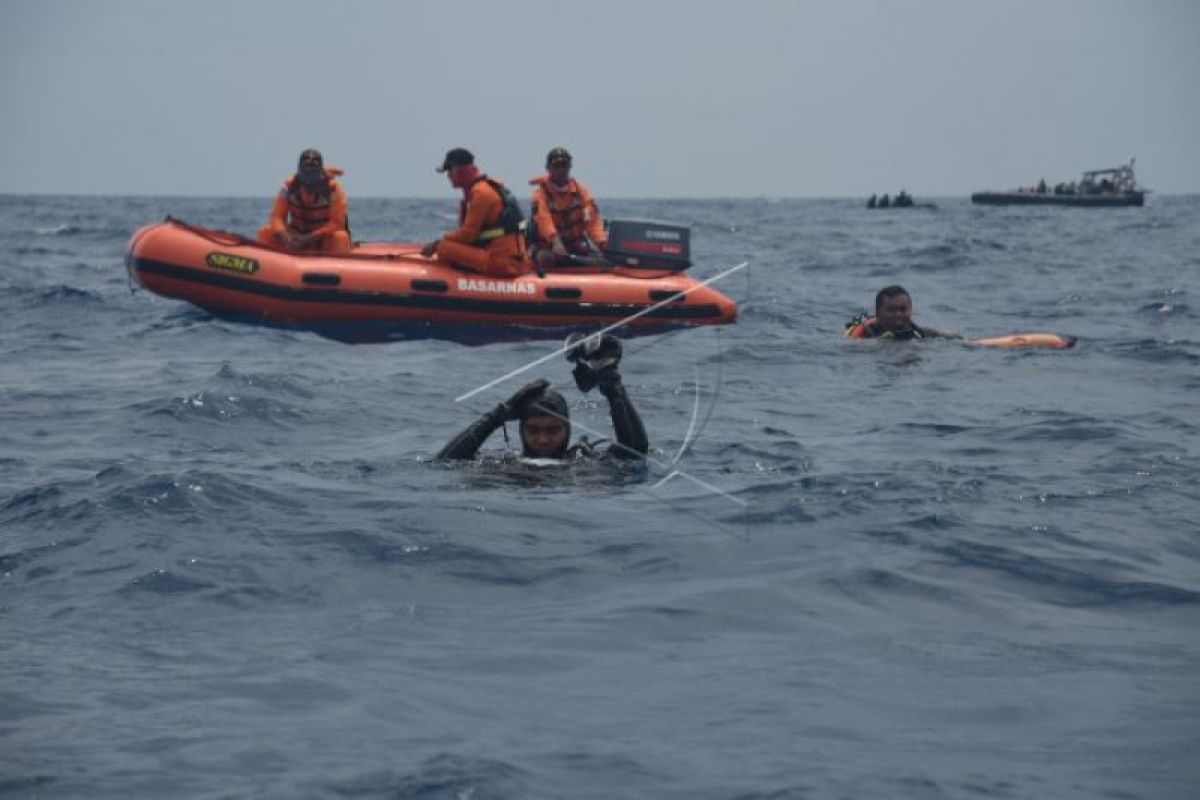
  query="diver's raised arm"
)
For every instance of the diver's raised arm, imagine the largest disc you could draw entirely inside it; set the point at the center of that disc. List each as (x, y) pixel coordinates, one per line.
(627, 423)
(596, 367)
(467, 443)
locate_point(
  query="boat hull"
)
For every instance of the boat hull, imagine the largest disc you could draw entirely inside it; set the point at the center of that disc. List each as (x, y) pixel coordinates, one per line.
(1077, 200)
(385, 290)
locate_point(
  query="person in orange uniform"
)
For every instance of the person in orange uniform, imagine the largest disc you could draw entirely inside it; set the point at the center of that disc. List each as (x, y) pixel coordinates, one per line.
(309, 215)
(490, 236)
(565, 215)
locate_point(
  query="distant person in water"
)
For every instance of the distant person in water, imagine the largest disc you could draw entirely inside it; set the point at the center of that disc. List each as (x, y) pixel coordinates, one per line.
(309, 215)
(892, 319)
(544, 419)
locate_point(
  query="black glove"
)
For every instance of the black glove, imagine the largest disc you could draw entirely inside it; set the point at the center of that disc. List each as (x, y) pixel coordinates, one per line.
(585, 379)
(596, 360)
(513, 407)
(609, 381)
(593, 347)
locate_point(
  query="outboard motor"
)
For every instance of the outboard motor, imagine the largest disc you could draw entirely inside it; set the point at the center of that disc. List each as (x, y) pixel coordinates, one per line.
(648, 244)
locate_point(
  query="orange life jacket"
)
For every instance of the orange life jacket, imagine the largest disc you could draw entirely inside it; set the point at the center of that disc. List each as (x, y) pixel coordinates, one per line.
(309, 209)
(567, 209)
(868, 328)
(859, 328)
(508, 219)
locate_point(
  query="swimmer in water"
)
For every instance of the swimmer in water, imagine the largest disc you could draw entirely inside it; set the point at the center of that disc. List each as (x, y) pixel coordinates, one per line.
(892, 319)
(544, 417)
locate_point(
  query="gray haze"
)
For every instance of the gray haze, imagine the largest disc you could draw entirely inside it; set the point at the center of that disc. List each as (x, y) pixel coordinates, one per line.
(942, 97)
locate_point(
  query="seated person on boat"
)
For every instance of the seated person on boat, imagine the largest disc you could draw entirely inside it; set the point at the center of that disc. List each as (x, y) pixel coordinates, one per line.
(490, 237)
(565, 217)
(545, 418)
(892, 319)
(309, 215)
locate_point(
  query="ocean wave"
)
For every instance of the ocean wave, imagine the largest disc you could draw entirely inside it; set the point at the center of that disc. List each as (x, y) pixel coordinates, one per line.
(163, 581)
(1158, 351)
(951, 255)
(475, 562)
(877, 585)
(1165, 311)
(335, 470)
(990, 244)
(447, 776)
(43, 508)
(1067, 584)
(68, 230)
(214, 406)
(1063, 428)
(27, 785)
(118, 493)
(62, 229)
(38, 250)
(273, 381)
(230, 585)
(37, 304)
(68, 294)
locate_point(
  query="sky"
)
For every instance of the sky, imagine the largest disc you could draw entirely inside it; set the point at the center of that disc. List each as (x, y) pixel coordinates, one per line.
(655, 98)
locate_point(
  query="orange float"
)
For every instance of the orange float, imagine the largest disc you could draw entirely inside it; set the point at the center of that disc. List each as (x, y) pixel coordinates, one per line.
(379, 285)
(1053, 340)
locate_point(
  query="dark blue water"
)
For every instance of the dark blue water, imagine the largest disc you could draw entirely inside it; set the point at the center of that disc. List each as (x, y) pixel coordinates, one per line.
(227, 568)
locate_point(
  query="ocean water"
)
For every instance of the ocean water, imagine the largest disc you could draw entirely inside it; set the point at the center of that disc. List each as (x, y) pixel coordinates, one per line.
(228, 568)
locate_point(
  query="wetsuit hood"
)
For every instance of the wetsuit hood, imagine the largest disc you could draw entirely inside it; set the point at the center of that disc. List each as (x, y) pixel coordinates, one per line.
(548, 404)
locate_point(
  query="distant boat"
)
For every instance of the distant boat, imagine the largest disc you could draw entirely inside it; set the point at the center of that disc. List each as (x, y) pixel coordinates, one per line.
(902, 200)
(1116, 186)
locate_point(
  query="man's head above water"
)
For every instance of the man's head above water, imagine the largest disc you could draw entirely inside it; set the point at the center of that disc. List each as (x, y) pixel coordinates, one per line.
(545, 424)
(893, 308)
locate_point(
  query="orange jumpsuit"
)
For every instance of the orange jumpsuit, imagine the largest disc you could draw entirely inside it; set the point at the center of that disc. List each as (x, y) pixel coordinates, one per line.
(569, 213)
(502, 256)
(300, 211)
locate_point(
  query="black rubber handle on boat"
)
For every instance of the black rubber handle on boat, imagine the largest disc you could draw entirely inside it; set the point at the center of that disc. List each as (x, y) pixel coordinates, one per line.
(591, 261)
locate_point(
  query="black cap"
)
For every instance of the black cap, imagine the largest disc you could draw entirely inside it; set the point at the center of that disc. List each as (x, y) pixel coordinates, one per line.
(311, 156)
(458, 157)
(558, 155)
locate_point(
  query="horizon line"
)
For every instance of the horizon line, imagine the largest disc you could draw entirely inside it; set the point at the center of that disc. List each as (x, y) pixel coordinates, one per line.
(452, 197)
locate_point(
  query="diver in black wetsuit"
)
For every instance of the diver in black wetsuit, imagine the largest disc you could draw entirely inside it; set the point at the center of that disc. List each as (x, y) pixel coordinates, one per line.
(544, 416)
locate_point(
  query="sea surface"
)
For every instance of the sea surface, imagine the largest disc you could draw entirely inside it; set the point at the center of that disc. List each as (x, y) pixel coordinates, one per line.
(229, 568)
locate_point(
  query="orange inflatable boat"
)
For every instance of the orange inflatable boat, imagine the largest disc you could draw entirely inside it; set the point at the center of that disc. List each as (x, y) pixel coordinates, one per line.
(385, 290)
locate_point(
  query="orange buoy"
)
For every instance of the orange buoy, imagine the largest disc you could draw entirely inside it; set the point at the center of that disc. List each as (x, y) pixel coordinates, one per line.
(1026, 340)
